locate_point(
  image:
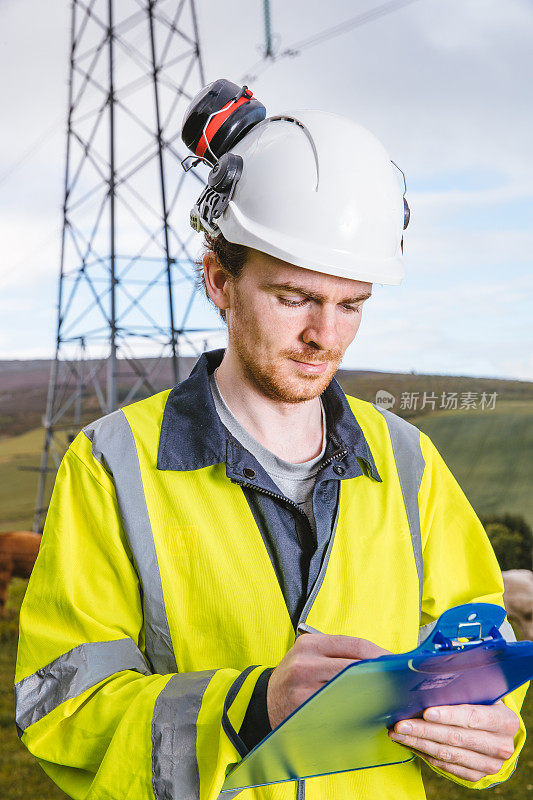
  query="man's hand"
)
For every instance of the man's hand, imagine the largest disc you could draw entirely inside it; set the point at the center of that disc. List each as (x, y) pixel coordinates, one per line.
(311, 662)
(468, 741)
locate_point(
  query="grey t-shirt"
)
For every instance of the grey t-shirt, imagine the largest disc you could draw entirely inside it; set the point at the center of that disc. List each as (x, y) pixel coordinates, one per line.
(295, 481)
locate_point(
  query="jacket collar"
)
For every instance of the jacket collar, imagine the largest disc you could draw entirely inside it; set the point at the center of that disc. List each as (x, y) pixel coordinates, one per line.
(192, 435)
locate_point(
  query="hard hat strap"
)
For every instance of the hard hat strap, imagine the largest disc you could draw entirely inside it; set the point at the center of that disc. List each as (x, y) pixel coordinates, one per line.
(217, 194)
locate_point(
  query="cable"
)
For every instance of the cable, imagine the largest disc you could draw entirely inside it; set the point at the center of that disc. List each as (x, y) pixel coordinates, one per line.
(354, 22)
(56, 127)
(54, 235)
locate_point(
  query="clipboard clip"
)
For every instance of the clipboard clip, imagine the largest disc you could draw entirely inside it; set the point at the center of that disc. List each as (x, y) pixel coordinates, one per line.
(465, 626)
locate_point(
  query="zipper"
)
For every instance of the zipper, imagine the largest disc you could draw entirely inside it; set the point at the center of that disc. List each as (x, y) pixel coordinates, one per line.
(320, 577)
(301, 626)
(270, 494)
(340, 454)
(279, 497)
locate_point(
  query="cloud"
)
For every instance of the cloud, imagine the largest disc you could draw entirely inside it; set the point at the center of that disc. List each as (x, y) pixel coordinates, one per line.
(443, 84)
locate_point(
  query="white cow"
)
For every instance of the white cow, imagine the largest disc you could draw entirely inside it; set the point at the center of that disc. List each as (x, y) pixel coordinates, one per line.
(518, 599)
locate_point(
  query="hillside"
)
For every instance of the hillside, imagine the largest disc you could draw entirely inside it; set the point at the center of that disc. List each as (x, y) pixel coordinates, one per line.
(490, 453)
(490, 449)
(24, 388)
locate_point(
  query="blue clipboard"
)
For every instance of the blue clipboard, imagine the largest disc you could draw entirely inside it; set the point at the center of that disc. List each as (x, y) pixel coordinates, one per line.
(344, 725)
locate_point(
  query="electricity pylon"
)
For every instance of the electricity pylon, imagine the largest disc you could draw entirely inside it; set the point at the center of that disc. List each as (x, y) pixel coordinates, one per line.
(127, 291)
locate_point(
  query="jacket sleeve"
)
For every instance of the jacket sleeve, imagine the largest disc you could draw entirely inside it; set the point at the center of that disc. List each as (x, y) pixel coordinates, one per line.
(459, 567)
(88, 705)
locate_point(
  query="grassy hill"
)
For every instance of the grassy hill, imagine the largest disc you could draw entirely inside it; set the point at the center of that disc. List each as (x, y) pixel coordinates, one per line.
(490, 453)
(19, 459)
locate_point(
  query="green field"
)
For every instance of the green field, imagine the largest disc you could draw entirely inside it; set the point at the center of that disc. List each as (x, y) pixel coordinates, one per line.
(490, 453)
(18, 486)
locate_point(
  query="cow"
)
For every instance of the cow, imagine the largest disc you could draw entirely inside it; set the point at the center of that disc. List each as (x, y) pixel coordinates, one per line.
(18, 551)
(518, 599)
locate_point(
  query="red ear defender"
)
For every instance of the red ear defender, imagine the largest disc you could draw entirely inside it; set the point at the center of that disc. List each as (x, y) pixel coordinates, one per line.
(218, 117)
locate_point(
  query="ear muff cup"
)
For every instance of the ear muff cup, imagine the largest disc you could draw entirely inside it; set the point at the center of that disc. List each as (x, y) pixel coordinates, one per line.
(235, 121)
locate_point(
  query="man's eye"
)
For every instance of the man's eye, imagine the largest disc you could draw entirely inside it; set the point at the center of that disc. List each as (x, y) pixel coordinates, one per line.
(352, 309)
(287, 301)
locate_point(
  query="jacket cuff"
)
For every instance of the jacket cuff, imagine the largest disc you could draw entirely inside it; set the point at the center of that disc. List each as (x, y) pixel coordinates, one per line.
(256, 724)
(231, 722)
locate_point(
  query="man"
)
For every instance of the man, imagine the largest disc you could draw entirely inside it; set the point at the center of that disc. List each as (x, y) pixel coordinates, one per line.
(192, 536)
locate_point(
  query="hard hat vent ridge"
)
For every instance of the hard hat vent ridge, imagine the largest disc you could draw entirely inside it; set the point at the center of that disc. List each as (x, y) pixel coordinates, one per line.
(305, 129)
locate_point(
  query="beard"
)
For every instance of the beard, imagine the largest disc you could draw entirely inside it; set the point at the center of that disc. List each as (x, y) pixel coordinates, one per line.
(270, 370)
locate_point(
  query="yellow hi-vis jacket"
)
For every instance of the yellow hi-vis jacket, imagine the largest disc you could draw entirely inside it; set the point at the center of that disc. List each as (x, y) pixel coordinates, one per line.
(153, 608)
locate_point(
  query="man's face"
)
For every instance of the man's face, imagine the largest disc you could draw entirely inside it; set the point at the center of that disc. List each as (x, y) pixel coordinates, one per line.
(289, 327)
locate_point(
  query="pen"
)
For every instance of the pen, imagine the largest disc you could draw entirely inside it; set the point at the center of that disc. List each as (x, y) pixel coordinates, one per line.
(303, 627)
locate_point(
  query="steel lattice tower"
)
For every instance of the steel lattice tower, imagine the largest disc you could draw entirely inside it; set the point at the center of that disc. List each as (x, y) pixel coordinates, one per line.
(127, 284)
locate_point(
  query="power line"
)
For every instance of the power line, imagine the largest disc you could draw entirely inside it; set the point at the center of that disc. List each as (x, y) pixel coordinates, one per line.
(58, 125)
(53, 235)
(55, 128)
(349, 24)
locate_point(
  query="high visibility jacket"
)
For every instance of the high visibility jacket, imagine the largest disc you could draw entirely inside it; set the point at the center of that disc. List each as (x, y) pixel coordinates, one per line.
(153, 607)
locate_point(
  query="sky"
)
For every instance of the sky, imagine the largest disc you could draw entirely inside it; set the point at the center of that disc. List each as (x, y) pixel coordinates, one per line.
(446, 86)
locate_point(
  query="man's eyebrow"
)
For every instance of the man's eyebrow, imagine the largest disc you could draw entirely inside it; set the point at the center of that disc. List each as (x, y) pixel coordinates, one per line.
(294, 287)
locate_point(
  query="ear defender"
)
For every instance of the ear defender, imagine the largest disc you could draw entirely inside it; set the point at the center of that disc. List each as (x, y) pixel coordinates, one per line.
(406, 209)
(217, 118)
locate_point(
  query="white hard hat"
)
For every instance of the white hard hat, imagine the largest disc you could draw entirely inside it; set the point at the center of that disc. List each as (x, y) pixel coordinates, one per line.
(319, 191)
(308, 187)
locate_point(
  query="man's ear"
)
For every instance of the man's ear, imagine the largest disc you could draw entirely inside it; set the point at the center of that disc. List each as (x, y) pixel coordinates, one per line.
(216, 281)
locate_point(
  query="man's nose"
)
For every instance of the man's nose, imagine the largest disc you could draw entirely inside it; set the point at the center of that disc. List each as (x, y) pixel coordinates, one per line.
(321, 329)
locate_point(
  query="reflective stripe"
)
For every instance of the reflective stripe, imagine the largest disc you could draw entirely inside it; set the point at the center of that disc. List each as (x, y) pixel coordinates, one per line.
(71, 674)
(405, 439)
(505, 630)
(175, 773)
(114, 446)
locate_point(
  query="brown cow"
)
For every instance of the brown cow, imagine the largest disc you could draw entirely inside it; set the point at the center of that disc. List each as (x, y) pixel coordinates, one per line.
(518, 599)
(18, 551)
